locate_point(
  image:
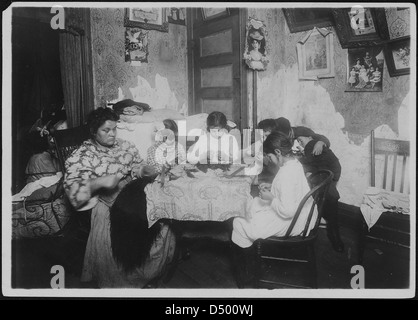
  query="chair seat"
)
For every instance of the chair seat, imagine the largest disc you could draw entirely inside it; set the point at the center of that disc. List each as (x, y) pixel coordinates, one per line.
(292, 240)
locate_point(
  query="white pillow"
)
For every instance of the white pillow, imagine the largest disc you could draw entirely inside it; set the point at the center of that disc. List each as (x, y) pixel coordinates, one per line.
(140, 134)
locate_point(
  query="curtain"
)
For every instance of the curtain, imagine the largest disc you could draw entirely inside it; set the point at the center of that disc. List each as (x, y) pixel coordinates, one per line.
(76, 66)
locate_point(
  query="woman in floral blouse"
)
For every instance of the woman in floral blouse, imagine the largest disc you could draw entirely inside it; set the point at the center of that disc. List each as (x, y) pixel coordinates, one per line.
(95, 175)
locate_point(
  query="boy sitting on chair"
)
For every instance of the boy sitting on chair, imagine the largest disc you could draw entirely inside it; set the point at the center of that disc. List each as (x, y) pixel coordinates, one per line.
(312, 163)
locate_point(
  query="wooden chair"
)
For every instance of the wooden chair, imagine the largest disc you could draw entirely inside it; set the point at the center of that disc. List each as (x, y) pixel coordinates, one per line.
(66, 141)
(293, 251)
(391, 228)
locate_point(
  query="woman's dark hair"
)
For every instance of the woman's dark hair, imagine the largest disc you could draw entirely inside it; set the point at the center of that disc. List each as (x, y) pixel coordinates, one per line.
(97, 117)
(216, 119)
(172, 125)
(278, 140)
(267, 125)
(130, 237)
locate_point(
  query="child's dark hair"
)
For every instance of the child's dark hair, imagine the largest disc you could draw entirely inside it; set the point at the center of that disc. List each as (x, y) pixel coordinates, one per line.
(278, 140)
(216, 119)
(98, 117)
(172, 125)
(267, 125)
(283, 125)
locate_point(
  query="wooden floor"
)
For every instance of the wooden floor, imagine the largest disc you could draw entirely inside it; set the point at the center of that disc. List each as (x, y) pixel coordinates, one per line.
(209, 265)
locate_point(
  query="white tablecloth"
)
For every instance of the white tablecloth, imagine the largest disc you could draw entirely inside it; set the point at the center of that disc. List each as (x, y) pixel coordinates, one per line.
(204, 198)
(376, 201)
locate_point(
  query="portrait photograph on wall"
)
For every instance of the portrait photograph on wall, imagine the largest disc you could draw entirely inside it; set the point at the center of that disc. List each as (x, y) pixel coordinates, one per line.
(255, 55)
(316, 55)
(176, 16)
(397, 55)
(365, 69)
(136, 45)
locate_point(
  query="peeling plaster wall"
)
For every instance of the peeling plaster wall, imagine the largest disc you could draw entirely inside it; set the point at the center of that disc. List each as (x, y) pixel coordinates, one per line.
(161, 82)
(346, 118)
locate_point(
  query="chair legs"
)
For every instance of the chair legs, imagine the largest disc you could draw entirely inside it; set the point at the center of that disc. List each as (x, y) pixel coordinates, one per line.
(312, 266)
(243, 265)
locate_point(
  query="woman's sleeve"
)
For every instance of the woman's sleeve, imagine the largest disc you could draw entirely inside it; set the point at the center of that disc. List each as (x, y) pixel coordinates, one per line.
(287, 191)
(79, 170)
(236, 151)
(322, 138)
(137, 160)
(151, 160)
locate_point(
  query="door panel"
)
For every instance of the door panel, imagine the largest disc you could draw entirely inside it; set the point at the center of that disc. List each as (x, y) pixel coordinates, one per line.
(215, 65)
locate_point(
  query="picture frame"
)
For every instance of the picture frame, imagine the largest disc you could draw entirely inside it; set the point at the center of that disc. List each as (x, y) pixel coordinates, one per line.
(212, 13)
(255, 54)
(176, 16)
(397, 56)
(365, 69)
(316, 55)
(146, 18)
(360, 27)
(303, 19)
(136, 45)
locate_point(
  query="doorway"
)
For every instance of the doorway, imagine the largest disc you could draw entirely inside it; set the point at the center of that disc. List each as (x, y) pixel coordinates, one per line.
(36, 81)
(216, 71)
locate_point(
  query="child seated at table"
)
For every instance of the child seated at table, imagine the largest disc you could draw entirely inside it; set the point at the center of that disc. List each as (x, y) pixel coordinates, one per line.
(217, 145)
(311, 164)
(166, 150)
(271, 213)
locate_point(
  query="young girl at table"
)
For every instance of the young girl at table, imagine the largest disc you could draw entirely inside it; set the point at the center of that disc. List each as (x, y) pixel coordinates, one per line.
(166, 151)
(216, 146)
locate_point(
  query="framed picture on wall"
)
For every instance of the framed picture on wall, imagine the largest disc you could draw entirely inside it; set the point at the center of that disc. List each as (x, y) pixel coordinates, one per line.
(212, 13)
(303, 19)
(365, 69)
(136, 45)
(316, 55)
(360, 27)
(176, 16)
(397, 55)
(146, 18)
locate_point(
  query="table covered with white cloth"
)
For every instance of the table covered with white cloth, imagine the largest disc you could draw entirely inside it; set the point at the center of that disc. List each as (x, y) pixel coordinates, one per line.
(376, 201)
(206, 197)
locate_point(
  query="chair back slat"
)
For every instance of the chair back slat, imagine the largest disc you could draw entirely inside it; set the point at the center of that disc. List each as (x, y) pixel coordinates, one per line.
(392, 150)
(66, 141)
(318, 193)
(403, 172)
(395, 158)
(385, 171)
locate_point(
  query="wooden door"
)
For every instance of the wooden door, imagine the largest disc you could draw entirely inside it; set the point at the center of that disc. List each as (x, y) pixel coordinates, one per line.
(217, 81)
